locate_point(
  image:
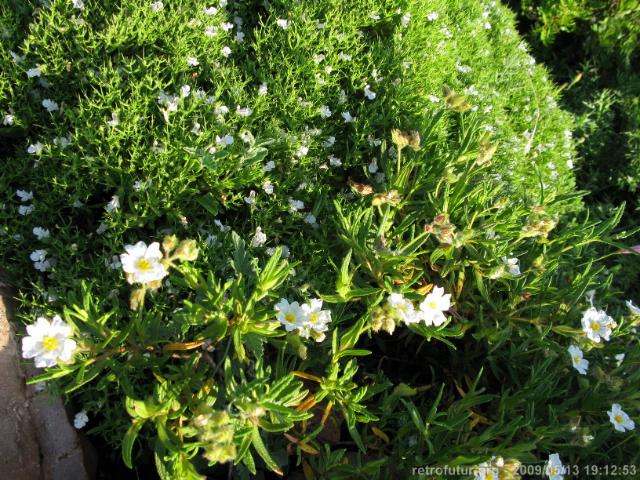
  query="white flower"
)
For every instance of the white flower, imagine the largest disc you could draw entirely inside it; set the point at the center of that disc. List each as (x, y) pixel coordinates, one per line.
(101, 228)
(621, 421)
(16, 58)
(25, 209)
(296, 204)
(406, 18)
(324, 111)
(329, 142)
(290, 315)
(282, 23)
(40, 260)
(115, 263)
(251, 199)
(373, 166)
(196, 130)
(433, 307)
(185, 91)
(633, 308)
(302, 151)
(80, 419)
(113, 204)
(226, 26)
(262, 89)
(142, 263)
(24, 195)
(157, 6)
(403, 308)
(597, 324)
(226, 140)
(226, 51)
(270, 165)
(315, 318)
(373, 141)
(555, 469)
(38, 255)
(310, 219)
(334, 161)
(210, 31)
(239, 36)
(577, 360)
(50, 105)
(432, 16)
(368, 92)
(193, 61)
(78, 4)
(347, 117)
(619, 358)
(210, 11)
(259, 238)
(40, 232)
(8, 119)
(63, 142)
(35, 148)
(48, 342)
(486, 472)
(243, 112)
(267, 186)
(115, 120)
(463, 68)
(512, 263)
(34, 72)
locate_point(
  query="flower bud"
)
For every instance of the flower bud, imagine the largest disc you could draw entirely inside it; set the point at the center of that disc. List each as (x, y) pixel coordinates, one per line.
(169, 243)
(187, 250)
(136, 300)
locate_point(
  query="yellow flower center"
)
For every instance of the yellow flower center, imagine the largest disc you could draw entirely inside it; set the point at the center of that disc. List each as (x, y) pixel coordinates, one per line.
(144, 265)
(313, 318)
(489, 476)
(618, 418)
(595, 326)
(432, 305)
(553, 471)
(50, 343)
(290, 317)
(576, 359)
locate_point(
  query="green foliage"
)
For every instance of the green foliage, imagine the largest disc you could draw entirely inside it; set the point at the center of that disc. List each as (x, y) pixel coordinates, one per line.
(592, 47)
(399, 148)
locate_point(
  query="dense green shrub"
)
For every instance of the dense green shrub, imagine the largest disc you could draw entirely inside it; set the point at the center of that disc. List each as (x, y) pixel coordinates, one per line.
(317, 196)
(592, 46)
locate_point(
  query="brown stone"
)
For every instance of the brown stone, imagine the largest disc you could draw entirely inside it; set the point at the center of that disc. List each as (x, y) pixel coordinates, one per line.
(19, 450)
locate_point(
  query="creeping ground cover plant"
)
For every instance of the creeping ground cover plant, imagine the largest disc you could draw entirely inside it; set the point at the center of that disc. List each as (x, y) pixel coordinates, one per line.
(316, 239)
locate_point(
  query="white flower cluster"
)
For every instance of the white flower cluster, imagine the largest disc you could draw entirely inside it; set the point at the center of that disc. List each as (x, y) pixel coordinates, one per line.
(430, 311)
(308, 319)
(596, 325)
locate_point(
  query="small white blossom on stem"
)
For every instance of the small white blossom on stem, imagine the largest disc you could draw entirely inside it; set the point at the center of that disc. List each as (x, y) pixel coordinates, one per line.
(577, 360)
(142, 264)
(620, 420)
(48, 342)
